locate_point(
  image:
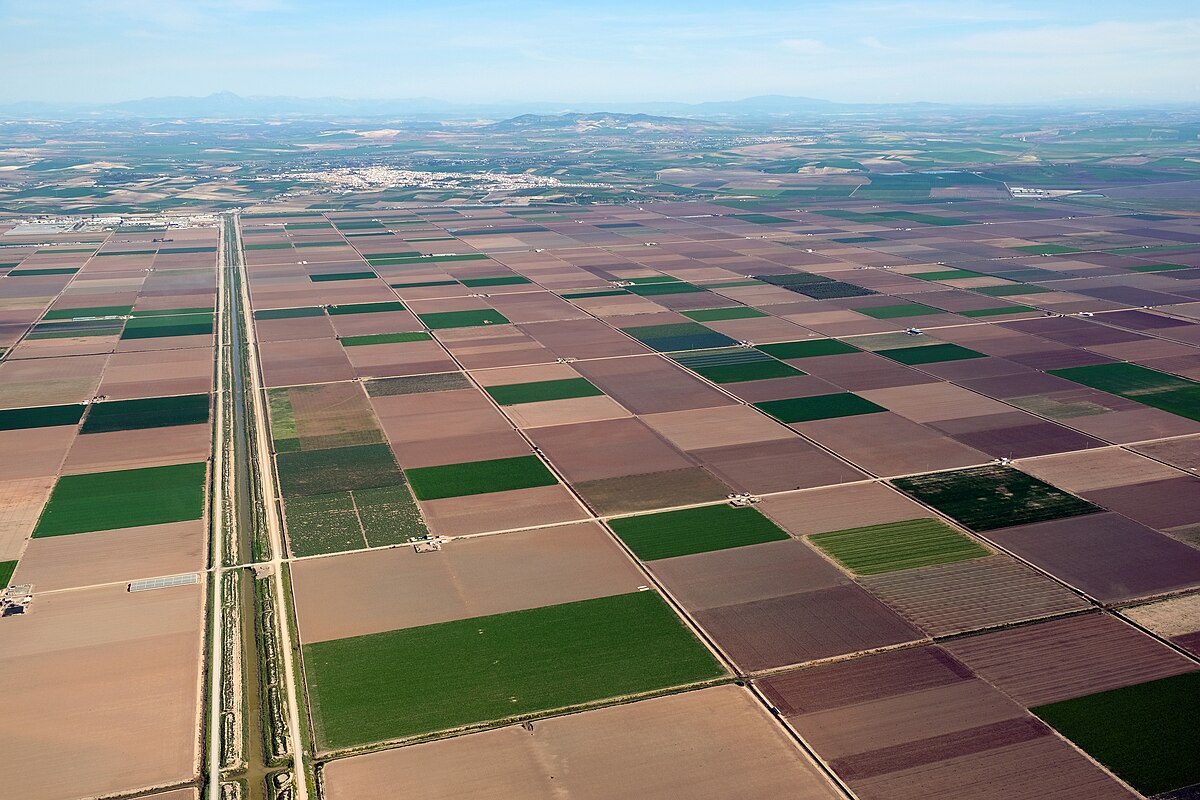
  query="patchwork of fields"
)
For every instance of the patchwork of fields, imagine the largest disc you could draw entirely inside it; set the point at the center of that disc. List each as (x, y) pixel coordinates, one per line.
(934, 442)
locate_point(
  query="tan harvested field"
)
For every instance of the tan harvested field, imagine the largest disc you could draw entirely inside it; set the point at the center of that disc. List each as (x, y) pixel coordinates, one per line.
(528, 374)
(584, 338)
(49, 382)
(1097, 469)
(970, 595)
(840, 507)
(1175, 616)
(931, 403)
(1072, 657)
(491, 346)
(41, 451)
(150, 447)
(711, 744)
(607, 449)
(887, 444)
(114, 706)
(177, 794)
(565, 412)
(649, 385)
(383, 590)
(1181, 453)
(498, 511)
(87, 559)
(460, 449)
(724, 426)
(776, 466)
(20, 506)
(416, 417)
(158, 374)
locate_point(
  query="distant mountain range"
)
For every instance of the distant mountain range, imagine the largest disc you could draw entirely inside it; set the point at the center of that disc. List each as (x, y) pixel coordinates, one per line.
(227, 105)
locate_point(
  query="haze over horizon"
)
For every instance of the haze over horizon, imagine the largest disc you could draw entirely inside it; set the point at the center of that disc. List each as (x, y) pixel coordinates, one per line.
(84, 51)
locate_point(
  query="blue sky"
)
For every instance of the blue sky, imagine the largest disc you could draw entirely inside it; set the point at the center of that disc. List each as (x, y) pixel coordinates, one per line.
(938, 50)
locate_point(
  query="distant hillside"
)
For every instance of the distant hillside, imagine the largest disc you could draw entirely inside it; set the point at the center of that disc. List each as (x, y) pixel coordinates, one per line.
(607, 122)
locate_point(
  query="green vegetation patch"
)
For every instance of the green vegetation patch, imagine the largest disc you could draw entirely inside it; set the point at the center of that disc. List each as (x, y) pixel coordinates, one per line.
(384, 338)
(479, 477)
(14, 419)
(128, 498)
(1145, 733)
(931, 353)
(539, 391)
(502, 280)
(417, 384)
(313, 472)
(895, 546)
(7, 568)
(695, 530)
(289, 313)
(153, 327)
(365, 308)
(326, 523)
(734, 365)
(993, 496)
(463, 319)
(717, 314)
(946, 275)
(29, 273)
(994, 312)
(594, 293)
(1149, 387)
(899, 310)
(435, 677)
(388, 515)
(830, 290)
(808, 349)
(664, 287)
(822, 406)
(1004, 290)
(678, 336)
(764, 219)
(1160, 267)
(380, 262)
(153, 412)
(325, 277)
(86, 313)
(1045, 249)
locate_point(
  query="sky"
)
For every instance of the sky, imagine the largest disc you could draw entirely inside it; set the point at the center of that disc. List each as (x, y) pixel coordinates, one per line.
(952, 51)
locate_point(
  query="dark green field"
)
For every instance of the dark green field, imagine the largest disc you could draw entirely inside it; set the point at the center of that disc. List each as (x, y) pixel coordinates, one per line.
(808, 349)
(539, 391)
(930, 354)
(129, 498)
(325, 277)
(13, 419)
(463, 319)
(339, 469)
(718, 314)
(899, 310)
(735, 364)
(435, 677)
(678, 336)
(991, 497)
(823, 406)
(154, 412)
(365, 308)
(479, 477)
(151, 327)
(7, 568)
(1149, 387)
(895, 546)
(694, 530)
(1146, 733)
(385, 338)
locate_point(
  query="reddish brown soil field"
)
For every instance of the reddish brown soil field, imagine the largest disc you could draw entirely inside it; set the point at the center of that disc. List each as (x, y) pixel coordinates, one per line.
(1065, 658)
(157, 374)
(295, 363)
(102, 452)
(649, 385)
(498, 511)
(113, 708)
(41, 451)
(711, 744)
(886, 444)
(607, 449)
(382, 590)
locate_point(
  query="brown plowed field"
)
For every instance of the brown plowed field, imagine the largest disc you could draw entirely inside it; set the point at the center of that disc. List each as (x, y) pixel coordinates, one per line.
(295, 363)
(59, 562)
(498, 511)
(775, 466)
(1065, 658)
(840, 507)
(33, 452)
(151, 447)
(1096, 470)
(158, 374)
(1182, 453)
(383, 590)
(712, 744)
(1160, 504)
(887, 444)
(113, 706)
(631, 493)
(974, 594)
(20, 506)
(723, 426)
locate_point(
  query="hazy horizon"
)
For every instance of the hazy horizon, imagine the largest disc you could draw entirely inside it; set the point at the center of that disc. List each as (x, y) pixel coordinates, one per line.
(1022, 53)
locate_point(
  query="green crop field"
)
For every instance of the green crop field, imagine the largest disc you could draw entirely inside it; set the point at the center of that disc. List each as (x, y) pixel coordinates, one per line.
(678, 336)
(437, 677)
(539, 391)
(501, 280)
(338, 469)
(946, 275)
(899, 310)
(1145, 733)
(323, 523)
(365, 308)
(830, 290)
(694, 530)
(1004, 290)
(664, 287)
(1149, 387)
(463, 319)
(895, 546)
(930, 354)
(992, 312)
(823, 406)
(13, 419)
(389, 515)
(479, 477)
(289, 313)
(385, 338)
(7, 568)
(718, 314)
(82, 313)
(326, 277)
(154, 412)
(990, 497)
(128, 498)
(811, 348)
(183, 324)
(418, 384)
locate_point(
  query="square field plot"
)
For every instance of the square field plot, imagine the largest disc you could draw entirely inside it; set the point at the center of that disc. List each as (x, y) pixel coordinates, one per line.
(438, 677)
(991, 497)
(895, 546)
(1146, 733)
(479, 477)
(124, 499)
(694, 530)
(931, 354)
(824, 406)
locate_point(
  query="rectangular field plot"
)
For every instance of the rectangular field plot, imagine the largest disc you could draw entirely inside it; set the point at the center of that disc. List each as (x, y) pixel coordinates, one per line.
(808, 349)
(895, 546)
(694, 530)
(462, 319)
(339, 469)
(352, 520)
(539, 391)
(930, 354)
(1149, 387)
(479, 477)
(155, 412)
(15, 419)
(1146, 733)
(124, 499)
(320, 417)
(733, 365)
(825, 406)
(437, 677)
(991, 497)
(678, 336)
(182, 324)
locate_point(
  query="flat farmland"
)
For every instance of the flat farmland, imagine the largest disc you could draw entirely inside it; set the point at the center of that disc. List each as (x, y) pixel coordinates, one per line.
(709, 744)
